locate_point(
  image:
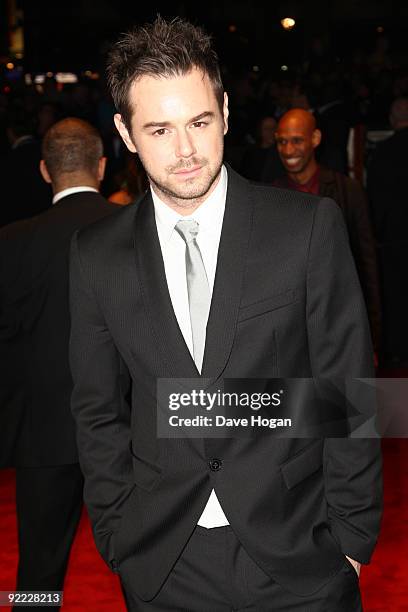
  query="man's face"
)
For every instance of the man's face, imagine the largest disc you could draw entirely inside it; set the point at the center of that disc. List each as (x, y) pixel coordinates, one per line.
(178, 130)
(296, 143)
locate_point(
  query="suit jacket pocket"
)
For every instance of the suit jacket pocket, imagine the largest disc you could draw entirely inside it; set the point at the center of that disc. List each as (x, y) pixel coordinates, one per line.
(264, 306)
(146, 474)
(303, 464)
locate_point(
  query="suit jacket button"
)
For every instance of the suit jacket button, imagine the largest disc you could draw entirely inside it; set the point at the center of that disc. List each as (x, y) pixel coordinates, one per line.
(215, 464)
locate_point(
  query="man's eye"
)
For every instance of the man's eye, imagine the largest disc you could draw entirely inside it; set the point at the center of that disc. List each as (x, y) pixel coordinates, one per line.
(199, 124)
(160, 132)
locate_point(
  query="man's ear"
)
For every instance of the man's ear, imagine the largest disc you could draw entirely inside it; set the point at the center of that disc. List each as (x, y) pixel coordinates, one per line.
(123, 131)
(225, 112)
(44, 172)
(101, 168)
(316, 138)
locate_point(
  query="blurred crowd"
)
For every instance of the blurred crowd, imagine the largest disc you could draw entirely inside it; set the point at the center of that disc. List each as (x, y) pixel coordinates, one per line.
(358, 90)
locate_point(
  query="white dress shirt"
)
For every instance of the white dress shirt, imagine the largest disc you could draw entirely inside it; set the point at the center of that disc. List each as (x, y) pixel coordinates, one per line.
(209, 216)
(70, 190)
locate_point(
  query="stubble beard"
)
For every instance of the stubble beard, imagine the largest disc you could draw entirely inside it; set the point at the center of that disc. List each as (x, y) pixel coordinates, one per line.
(192, 192)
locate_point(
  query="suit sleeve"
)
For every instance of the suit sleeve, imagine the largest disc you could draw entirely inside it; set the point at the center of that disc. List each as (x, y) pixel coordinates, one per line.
(340, 349)
(100, 410)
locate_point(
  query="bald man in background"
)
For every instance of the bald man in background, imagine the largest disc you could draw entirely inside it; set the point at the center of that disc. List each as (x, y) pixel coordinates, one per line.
(37, 429)
(297, 138)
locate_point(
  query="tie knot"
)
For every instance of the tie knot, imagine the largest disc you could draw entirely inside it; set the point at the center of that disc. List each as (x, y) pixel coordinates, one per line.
(188, 229)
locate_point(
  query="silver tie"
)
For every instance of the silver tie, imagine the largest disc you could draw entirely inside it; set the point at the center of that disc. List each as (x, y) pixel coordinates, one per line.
(199, 297)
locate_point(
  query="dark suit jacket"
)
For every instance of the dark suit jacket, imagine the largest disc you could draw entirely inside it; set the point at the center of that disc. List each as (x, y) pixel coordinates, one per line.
(349, 195)
(286, 302)
(35, 419)
(386, 184)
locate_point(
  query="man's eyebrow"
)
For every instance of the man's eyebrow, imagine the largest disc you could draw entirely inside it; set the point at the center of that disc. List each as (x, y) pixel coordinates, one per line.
(204, 115)
(152, 124)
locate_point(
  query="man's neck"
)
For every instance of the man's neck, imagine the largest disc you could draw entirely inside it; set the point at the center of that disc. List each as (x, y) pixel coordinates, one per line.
(304, 177)
(61, 186)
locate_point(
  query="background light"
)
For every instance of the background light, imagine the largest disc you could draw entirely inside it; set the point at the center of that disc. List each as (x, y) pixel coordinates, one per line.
(66, 77)
(288, 23)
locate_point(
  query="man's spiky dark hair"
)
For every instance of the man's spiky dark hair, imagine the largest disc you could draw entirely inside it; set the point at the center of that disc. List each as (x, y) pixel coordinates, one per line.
(160, 49)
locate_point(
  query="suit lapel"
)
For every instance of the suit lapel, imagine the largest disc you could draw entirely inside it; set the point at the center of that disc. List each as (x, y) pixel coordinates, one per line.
(222, 321)
(232, 256)
(156, 297)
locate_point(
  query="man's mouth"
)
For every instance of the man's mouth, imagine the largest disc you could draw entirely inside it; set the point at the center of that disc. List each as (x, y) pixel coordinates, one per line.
(292, 161)
(183, 172)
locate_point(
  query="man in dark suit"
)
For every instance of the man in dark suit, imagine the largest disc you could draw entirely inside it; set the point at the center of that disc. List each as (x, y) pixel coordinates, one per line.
(297, 139)
(39, 434)
(211, 275)
(386, 175)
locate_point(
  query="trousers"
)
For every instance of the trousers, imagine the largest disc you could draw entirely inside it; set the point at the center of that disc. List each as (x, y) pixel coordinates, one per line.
(49, 504)
(215, 574)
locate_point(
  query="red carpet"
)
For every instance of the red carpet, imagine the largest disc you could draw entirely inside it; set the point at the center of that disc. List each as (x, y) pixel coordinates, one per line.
(91, 586)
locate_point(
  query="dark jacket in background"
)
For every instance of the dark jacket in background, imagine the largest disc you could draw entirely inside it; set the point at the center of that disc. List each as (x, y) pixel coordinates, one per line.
(36, 426)
(387, 192)
(349, 195)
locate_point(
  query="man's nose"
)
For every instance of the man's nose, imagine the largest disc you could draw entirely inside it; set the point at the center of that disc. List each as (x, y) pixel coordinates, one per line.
(289, 149)
(185, 146)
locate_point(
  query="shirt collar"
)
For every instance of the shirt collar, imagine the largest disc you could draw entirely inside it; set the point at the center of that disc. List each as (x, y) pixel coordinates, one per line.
(208, 215)
(312, 185)
(65, 192)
